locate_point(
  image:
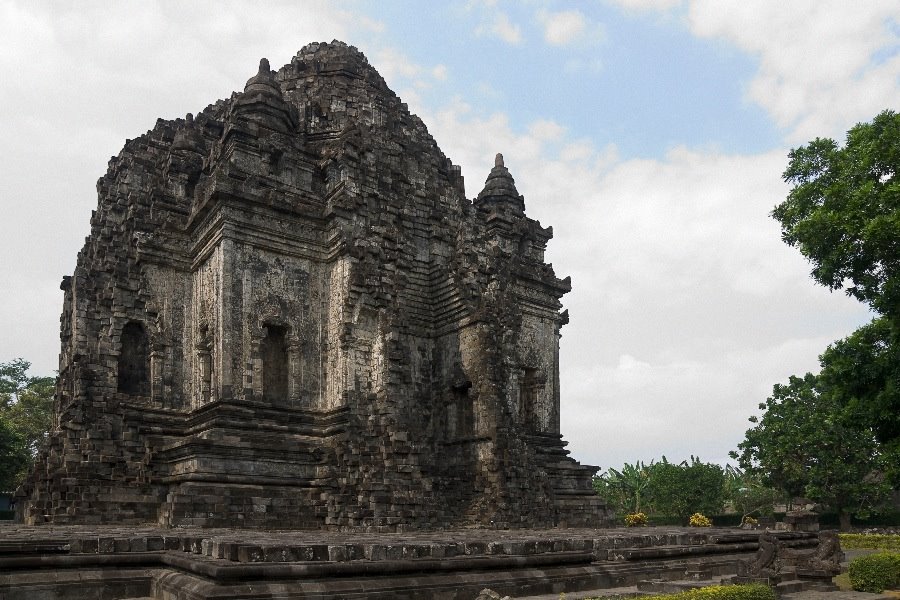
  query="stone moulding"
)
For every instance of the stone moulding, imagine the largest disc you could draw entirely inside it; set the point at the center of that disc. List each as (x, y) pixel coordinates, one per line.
(199, 564)
(289, 315)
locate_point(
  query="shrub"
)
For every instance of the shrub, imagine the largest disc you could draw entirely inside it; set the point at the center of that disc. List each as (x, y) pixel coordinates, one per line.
(698, 520)
(748, 520)
(875, 541)
(753, 591)
(637, 519)
(875, 572)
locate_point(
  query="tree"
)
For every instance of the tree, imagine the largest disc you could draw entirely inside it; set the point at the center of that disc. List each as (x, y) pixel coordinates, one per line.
(624, 490)
(26, 411)
(682, 489)
(747, 494)
(633, 481)
(13, 458)
(843, 212)
(862, 373)
(805, 444)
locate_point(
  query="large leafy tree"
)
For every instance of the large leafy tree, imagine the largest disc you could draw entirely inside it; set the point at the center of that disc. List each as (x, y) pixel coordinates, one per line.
(26, 408)
(862, 374)
(806, 444)
(843, 212)
(832, 436)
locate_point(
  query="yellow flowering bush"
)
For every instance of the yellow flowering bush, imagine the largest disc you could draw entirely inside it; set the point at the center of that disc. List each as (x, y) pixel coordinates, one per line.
(748, 520)
(698, 520)
(637, 519)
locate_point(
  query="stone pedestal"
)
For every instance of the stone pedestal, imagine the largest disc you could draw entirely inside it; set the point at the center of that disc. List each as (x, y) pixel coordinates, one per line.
(801, 521)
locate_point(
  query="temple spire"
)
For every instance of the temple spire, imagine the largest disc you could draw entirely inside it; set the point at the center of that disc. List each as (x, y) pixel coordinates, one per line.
(500, 187)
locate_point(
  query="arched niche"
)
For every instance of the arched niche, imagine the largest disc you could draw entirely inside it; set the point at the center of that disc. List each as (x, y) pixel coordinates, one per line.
(276, 364)
(134, 360)
(532, 401)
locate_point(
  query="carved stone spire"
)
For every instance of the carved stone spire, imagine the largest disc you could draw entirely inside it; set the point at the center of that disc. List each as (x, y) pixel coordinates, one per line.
(263, 82)
(188, 138)
(500, 187)
(262, 101)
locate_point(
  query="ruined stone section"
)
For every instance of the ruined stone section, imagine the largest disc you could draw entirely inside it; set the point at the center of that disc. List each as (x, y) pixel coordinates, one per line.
(288, 315)
(193, 564)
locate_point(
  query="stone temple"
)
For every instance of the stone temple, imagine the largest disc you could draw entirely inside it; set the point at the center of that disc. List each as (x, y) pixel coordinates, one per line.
(289, 315)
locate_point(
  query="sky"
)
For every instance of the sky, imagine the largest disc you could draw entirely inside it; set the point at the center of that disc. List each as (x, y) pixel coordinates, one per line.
(651, 135)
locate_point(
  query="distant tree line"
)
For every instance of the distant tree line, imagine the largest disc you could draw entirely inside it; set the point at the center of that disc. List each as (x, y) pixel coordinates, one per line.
(677, 490)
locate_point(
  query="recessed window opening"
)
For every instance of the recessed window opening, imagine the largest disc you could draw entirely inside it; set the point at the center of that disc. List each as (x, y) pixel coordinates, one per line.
(134, 361)
(275, 364)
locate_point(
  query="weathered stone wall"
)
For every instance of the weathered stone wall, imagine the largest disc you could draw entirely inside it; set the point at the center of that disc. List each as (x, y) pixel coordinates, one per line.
(288, 314)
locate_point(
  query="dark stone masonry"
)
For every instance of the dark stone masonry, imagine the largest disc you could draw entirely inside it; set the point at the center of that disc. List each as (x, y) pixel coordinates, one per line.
(288, 315)
(106, 562)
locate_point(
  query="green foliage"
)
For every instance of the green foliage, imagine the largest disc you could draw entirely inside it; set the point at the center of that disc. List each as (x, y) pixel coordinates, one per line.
(664, 489)
(843, 212)
(805, 444)
(874, 541)
(862, 371)
(876, 572)
(682, 489)
(26, 411)
(13, 458)
(747, 494)
(723, 592)
(624, 490)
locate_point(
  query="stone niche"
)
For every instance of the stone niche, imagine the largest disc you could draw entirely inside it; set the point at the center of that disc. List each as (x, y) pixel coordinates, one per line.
(289, 315)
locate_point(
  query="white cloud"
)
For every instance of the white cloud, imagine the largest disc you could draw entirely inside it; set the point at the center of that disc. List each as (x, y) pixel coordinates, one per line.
(572, 27)
(500, 27)
(546, 130)
(564, 27)
(394, 65)
(824, 65)
(439, 72)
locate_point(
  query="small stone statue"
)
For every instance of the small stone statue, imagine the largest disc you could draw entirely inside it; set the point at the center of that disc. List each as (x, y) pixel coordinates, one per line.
(762, 565)
(826, 559)
(774, 559)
